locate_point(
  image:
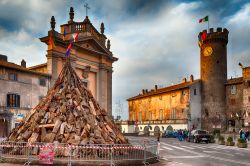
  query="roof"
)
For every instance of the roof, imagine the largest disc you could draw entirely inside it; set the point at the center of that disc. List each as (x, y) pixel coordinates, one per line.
(232, 81)
(20, 68)
(37, 66)
(166, 89)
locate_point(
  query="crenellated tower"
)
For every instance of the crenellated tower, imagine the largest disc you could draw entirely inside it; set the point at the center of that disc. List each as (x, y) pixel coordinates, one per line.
(213, 74)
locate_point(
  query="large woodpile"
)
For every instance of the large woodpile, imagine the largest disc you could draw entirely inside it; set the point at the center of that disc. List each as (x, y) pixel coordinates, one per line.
(68, 114)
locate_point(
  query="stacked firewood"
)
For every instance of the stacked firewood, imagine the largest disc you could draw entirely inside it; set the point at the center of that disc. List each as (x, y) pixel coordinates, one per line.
(68, 114)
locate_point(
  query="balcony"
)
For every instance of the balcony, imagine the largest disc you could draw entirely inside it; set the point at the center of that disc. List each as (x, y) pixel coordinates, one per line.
(168, 121)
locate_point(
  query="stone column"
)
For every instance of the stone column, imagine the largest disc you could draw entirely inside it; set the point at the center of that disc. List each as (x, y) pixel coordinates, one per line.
(102, 88)
(109, 90)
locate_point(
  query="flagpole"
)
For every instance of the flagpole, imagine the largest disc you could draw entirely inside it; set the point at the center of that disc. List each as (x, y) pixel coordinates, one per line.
(208, 24)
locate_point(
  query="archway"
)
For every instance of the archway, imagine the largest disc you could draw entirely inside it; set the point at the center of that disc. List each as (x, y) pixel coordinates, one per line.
(146, 130)
(156, 130)
(169, 128)
(137, 130)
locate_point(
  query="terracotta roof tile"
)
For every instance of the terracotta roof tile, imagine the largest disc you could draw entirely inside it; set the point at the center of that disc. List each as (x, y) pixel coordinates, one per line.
(20, 68)
(165, 89)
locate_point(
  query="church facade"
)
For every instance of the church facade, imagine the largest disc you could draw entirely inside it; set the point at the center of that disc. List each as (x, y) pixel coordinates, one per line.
(211, 102)
(90, 56)
(23, 87)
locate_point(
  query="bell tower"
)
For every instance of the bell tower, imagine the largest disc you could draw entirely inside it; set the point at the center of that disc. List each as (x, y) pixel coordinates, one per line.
(213, 74)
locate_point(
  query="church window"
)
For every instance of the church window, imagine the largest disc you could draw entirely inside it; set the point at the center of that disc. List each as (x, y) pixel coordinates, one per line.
(232, 101)
(42, 82)
(85, 83)
(13, 100)
(195, 92)
(40, 98)
(13, 76)
(233, 89)
(206, 113)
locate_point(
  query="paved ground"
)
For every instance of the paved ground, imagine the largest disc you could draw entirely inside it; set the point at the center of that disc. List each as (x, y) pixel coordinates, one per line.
(176, 153)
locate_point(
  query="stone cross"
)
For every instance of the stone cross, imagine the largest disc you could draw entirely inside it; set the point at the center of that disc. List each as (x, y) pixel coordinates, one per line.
(86, 5)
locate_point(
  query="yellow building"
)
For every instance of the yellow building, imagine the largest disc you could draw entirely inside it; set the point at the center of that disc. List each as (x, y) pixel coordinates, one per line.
(162, 108)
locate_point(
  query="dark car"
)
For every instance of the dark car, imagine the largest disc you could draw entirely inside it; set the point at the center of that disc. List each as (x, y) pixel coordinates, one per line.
(198, 136)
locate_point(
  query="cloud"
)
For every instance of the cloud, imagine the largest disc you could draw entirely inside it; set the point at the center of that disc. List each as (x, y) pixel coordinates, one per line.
(155, 40)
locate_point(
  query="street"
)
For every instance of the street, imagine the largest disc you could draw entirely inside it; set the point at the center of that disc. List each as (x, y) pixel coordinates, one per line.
(176, 153)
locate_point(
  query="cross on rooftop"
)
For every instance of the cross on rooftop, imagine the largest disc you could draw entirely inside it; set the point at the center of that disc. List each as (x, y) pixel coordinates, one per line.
(86, 5)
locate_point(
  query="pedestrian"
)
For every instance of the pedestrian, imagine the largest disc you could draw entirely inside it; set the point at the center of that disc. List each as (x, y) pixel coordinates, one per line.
(158, 136)
(241, 132)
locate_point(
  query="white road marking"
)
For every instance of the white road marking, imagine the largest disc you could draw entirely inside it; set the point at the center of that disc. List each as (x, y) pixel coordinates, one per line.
(187, 147)
(179, 157)
(183, 149)
(217, 152)
(164, 147)
(200, 147)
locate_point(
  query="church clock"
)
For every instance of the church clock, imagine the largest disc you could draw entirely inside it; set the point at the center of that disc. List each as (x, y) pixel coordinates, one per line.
(208, 51)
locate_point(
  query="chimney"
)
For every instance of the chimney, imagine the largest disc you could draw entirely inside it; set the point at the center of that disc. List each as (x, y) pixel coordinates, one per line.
(146, 90)
(156, 87)
(143, 91)
(23, 63)
(191, 78)
(184, 80)
(3, 58)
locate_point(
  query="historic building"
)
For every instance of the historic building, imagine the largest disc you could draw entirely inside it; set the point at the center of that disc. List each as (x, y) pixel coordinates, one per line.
(21, 90)
(90, 56)
(213, 101)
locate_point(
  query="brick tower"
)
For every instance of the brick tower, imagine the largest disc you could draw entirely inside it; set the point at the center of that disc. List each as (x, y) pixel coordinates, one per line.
(213, 74)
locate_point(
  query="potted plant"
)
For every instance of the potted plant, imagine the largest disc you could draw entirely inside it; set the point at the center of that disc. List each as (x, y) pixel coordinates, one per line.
(230, 141)
(242, 143)
(221, 140)
(212, 140)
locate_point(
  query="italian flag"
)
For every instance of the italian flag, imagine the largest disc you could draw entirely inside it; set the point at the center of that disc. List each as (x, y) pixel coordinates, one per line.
(203, 19)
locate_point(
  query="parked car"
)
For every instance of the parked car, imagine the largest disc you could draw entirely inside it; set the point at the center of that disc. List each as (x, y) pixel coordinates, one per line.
(198, 136)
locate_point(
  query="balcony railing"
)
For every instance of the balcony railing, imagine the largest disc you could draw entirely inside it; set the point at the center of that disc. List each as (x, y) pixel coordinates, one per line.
(168, 121)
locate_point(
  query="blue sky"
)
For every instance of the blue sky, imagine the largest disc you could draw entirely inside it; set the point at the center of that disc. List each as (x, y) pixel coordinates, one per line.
(155, 40)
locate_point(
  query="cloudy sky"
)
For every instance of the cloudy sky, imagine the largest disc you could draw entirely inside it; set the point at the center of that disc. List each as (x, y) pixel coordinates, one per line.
(155, 40)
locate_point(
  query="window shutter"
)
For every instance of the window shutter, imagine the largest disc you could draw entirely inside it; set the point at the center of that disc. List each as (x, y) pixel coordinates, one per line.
(8, 100)
(17, 100)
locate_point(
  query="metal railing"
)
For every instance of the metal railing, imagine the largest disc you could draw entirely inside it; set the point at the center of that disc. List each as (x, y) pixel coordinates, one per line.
(96, 153)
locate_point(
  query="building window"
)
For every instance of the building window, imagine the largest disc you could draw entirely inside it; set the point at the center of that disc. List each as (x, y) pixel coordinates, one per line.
(233, 89)
(195, 93)
(183, 92)
(140, 116)
(40, 98)
(85, 83)
(149, 115)
(132, 116)
(232, 101)
(249, 99)
(161, 115)
(160, 97)
(42, 82)
(13, 76)
(13, 100)
(173, 114)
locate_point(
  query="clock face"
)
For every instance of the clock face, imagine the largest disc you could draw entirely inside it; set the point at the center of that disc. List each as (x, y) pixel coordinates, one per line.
(207, 51)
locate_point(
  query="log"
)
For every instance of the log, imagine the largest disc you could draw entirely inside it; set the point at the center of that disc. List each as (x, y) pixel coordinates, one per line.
(57, 126)
(47, 125)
